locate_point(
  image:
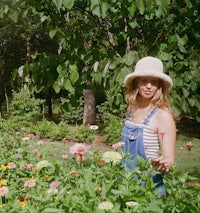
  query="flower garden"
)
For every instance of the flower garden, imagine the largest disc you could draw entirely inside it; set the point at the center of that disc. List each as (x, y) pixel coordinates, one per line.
(83, 179)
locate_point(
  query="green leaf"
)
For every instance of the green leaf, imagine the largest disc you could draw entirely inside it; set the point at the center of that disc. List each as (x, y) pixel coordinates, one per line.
(129, 58)
(61, 69)
(132, 9)
(13, 15)
(56, 87)
(97, 77)
(68, 86)
(58, 3)
(52, 32)
(68, 4)
(185, 92)
(74, 75)
(188, 3)
(140, 5)
(191, 101)
(121, 75)
(99, 8)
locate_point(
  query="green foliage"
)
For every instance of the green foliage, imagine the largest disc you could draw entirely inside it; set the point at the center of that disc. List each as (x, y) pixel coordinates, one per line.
(113, 128)
(83, 186)
(24, 106)
(49, 129)
(73, 110)
(67, 51)
(83, 134)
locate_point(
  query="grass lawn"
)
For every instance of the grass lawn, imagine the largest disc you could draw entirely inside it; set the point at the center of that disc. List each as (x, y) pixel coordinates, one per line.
(186, 161)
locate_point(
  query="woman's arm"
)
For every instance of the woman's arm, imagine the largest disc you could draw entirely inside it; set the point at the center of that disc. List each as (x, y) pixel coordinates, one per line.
(167, 137)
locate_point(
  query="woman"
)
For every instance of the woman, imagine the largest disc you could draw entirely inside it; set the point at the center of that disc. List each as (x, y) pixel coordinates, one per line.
(149, 130)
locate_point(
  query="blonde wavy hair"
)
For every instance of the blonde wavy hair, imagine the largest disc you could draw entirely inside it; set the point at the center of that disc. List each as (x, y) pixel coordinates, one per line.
(159, 99)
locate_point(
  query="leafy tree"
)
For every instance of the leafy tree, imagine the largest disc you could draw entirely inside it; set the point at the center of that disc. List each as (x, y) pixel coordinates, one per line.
(96, 43)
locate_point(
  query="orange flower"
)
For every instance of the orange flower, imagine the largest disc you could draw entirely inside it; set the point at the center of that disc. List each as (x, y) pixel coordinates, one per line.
(74, 173)
(23, 200)
(34, 169)
(101, 162)
(189, 146)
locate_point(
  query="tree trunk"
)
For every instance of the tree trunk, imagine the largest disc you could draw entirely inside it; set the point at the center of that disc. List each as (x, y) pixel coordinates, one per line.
(89, 116)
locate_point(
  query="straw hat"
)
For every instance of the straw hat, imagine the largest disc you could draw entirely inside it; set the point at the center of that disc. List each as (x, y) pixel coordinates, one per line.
(149, 66)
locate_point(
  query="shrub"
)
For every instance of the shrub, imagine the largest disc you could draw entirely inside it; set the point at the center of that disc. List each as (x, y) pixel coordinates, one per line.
(113, 128)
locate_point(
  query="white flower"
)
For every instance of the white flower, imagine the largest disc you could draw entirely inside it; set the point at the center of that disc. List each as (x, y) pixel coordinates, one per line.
(42, 164)
(40, 142)
(51, 192)
(112, 157)
(132, 204)
(105, 205)
(25, 138)
(94, 127)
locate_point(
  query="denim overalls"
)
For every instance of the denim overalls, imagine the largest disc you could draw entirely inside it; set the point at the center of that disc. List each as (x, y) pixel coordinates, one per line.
(132, 136)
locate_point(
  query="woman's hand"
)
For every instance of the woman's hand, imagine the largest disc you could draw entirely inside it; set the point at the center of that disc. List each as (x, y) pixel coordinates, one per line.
(161, 164)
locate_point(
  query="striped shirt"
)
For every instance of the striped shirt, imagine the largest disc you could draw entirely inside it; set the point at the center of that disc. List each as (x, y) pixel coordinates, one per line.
(150, 140)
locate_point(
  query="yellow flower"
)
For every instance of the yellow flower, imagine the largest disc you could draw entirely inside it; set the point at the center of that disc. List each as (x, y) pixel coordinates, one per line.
(23, 201)
(4, 167)
(3, 182)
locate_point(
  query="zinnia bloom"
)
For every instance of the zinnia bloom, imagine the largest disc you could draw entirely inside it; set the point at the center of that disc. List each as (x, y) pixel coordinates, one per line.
(11, 165)
(3, 182)
(31, 136)
(112, 157)
(30, 183)
(35, 151)
(54, 185)
(64, 156)
(80, 157)
(74, 173)
(94, 127)
(23, 201)
(105, 205)
(132, 204)
(79, 148)
(4, 167)
(3, 190)
(118, 145)
(42, 164)
(189, 146)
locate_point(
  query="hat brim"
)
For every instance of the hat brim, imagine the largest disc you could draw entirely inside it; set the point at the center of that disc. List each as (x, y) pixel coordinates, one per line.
(168, 83)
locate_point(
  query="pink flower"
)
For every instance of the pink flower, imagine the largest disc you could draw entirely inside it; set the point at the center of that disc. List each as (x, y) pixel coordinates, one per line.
(35, 151)
(11, 165)
(189, 146)
(22, 167)
(54, 185)
(31, 136)
(29, 165)
(18, 156)
(3, 190)
(80, 157)
(30, 183)
(24, 142)
(64, 156)
(117, 145)
(79, 148)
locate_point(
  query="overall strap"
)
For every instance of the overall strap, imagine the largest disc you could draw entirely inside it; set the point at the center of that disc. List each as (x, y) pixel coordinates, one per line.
(147, 119)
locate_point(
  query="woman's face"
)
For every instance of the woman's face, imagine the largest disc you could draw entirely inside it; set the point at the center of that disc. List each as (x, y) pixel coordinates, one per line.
(148, 86)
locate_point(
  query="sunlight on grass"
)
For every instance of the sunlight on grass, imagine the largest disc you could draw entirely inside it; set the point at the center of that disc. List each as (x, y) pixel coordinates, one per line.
(186, 161)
